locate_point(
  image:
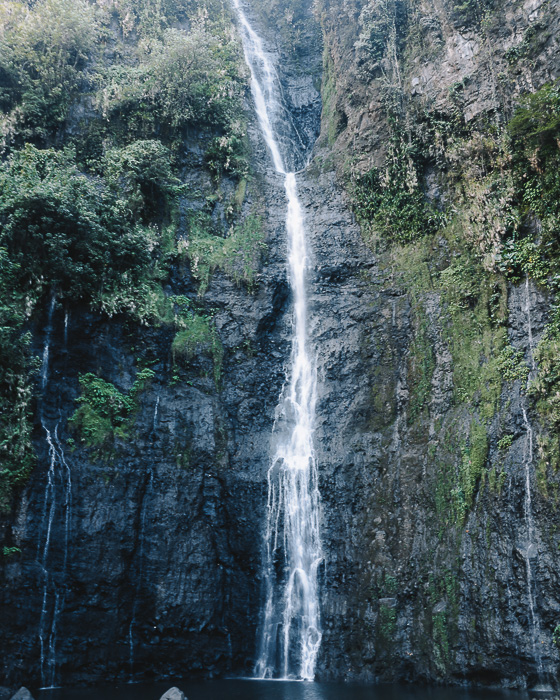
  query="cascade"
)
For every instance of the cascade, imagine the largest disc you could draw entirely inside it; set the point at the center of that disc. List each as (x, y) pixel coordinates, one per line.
(58, 497)
(290, 631)
(57, 501)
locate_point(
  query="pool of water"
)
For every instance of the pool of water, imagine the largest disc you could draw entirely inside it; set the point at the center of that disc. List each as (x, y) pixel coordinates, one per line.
(275, 690)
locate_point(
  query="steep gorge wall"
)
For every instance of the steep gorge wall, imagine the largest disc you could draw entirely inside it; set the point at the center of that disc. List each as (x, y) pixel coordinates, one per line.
(440, 569)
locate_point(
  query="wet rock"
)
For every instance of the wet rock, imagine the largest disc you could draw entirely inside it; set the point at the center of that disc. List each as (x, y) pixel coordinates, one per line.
(22, 694)
(173, 694)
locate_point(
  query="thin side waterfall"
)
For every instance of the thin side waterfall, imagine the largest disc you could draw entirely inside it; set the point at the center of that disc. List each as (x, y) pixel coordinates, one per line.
(530, 549)
(56, 517)
(290, 629)
(57, 498)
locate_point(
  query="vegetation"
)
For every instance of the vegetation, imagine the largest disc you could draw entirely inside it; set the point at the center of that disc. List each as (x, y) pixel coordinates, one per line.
(392, 202)
(96, 101)
(45, 51)
(104, 413)
(237, 254)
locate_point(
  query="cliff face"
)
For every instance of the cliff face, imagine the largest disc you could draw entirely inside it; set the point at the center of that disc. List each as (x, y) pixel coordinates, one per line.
(445, 565)
(438, 489)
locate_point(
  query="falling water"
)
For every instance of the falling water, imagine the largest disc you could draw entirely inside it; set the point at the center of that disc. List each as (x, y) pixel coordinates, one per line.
(47, 345)
(530, 548)
(57, 513)
(58, 497)
(290, 634)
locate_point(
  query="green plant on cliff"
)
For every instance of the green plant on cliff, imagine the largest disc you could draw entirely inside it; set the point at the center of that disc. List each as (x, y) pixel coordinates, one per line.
(391, 201)
(181, 79)
(104, 413)
(45, 48)
(17, 456)
(238, 254)
(512, 365)
(196, 335)
(421, 367)
(66, 231)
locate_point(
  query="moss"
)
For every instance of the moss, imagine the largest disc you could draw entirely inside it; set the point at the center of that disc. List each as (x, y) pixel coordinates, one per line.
(421, 365)
(474, 459)
(443, 590)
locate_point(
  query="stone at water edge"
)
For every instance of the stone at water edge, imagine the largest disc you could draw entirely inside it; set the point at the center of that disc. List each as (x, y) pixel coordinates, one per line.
(173, 694)
(22, 694)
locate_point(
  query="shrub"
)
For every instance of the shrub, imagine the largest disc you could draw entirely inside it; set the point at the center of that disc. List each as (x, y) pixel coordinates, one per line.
(238, 254)
(65, 230)
(182, 79)
(104, 412)
(45, 49)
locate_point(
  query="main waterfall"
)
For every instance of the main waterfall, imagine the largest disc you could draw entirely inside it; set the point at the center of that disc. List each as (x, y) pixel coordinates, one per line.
(290, 634)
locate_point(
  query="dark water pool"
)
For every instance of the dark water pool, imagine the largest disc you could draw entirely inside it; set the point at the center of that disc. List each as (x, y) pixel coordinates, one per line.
(275, 690)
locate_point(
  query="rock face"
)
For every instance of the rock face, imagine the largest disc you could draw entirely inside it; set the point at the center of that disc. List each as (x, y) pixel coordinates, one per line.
(148, 563)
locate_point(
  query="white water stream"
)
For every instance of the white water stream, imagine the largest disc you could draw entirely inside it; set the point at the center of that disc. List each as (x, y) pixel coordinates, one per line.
(290, 631)
(57, 514)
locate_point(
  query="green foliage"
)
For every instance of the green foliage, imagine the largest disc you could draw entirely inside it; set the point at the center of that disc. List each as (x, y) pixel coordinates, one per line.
(228, 153)
(290, 19)
(104, 413)
(512, 365)
(473, 461)
(383, 24)
(182, 79)
(44, 50)
(333, 118)
(17, 456)
(545, 389)
(64, 230)
(443, 591)
(556, 636)
(198, 336)
(10, 551)
(536, 121)
(99, 226)
(392, 201)
(141, 174)
(387, 622)
(467, 12)
(505, 443)
(532, 40)
(421, 367)
(238, 254)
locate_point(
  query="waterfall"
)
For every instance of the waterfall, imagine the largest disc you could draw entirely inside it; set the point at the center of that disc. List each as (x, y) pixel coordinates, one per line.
(54, 582)
(290, 631)
(56, 515)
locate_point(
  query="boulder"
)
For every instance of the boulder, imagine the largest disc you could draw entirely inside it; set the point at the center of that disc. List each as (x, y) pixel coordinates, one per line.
(22, 694)
(173, 694)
